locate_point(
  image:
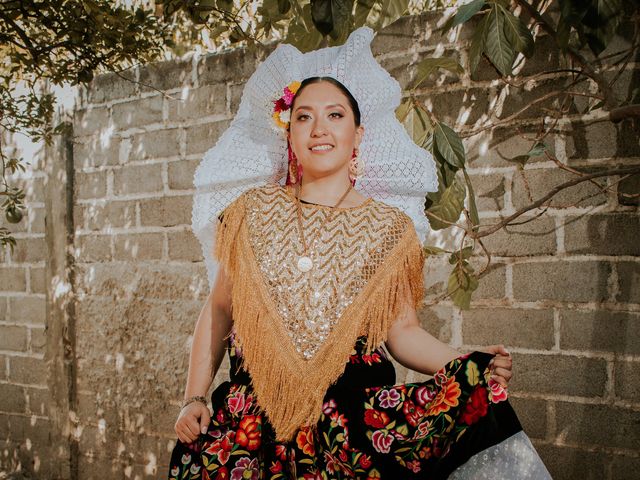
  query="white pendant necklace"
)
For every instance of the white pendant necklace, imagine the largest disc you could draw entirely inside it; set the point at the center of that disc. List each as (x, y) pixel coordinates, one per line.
(304, 262)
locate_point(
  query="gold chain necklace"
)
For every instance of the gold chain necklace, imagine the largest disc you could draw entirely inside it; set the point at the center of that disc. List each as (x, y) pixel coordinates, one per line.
(304, 262)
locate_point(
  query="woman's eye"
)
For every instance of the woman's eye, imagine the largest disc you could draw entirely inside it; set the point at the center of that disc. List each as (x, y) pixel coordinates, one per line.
(302, 116)
(337, 113)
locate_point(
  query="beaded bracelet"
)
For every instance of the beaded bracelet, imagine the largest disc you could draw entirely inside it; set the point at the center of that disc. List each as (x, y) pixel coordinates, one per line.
(195, 398)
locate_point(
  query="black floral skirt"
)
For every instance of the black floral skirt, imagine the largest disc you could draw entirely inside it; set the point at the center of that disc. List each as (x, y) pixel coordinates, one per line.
(458, 424)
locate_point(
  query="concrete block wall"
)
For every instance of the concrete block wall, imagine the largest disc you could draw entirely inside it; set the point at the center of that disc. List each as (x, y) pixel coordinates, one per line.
(561, 294)
(24, 420)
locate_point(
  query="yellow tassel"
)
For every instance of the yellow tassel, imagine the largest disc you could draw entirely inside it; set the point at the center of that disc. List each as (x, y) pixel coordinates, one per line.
(289, 388)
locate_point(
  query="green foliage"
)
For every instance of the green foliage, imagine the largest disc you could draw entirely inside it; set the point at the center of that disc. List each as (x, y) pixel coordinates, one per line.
(589, 22)
(69, 41)
(462, 280)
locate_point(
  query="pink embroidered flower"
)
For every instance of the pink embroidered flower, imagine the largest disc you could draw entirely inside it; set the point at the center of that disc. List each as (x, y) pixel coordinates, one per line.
(422, 430)
(382, 441)
(414, 466)
(245, 469)
(424, 395)
(236, 402)
(328, 406)
(498, 393)
(389, 398)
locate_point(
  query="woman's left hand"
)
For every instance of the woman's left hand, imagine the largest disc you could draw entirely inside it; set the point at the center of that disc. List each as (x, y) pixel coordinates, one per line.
(500, 364)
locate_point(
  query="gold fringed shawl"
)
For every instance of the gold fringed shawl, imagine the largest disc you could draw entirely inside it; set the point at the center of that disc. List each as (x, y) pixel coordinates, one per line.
(376, 250)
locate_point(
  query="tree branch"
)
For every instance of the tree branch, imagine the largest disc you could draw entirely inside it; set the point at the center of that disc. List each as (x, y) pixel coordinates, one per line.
(574, 54)
(620, 171)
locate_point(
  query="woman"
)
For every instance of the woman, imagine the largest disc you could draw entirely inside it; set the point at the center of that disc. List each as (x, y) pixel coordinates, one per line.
(315, 280)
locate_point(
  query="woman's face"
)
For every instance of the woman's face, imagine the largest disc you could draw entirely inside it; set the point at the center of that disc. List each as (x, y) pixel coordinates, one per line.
(322, 131)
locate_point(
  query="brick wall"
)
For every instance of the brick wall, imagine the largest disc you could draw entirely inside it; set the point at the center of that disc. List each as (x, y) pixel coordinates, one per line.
(562, 292)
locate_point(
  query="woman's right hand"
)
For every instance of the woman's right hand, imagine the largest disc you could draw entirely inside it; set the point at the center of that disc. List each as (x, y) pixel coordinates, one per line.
(192, 420)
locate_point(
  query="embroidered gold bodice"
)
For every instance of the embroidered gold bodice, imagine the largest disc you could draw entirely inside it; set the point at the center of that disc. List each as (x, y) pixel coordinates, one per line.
(297, 329)
(348, 250)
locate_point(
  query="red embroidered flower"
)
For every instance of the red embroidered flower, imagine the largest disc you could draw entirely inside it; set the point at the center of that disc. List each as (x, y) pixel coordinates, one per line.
(446, 397)
(365, 461)
(248, 434)
(312, 476)
(281, 451)
(276, 467)
(382, 441)
(476, 406)
(342, 455)
(223, 473)
(371, 359)
(412, 412)
(221, 448)
(304, 439)
(375, 418)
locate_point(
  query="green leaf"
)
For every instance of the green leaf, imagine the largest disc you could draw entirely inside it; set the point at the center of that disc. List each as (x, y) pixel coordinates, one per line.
(464, 13)
(460, 255)
(518, 34)
(497, 47)
(448, 207)
(536, 150)
(473, 374)
(473, 209)
(302, 34)
(417, 124)
(478, 43)
(377, 14)
(332, 17)
(433, 250)
(429, 65)
(461, 285)
(449, 145)
(284, 6)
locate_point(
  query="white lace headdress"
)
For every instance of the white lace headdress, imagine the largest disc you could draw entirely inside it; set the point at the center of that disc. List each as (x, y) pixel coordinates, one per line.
(253, 150)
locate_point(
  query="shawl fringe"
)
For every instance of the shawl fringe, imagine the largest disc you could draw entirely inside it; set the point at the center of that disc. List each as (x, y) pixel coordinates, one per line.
(289, 388)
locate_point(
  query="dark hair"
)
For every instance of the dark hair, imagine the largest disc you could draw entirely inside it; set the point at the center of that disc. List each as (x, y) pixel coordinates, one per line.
(352, 101)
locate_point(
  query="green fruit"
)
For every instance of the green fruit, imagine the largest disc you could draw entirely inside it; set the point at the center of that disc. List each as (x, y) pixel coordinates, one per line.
(13, 215)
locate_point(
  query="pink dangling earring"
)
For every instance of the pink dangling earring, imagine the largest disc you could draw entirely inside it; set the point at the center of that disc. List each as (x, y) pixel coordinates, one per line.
(356, 166)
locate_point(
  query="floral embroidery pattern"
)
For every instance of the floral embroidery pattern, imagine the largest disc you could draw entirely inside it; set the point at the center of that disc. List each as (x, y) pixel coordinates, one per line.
(408, 426)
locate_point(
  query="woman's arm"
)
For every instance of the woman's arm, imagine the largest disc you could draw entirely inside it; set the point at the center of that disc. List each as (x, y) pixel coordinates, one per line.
(414, 347)
(208, 347)
(207, 351)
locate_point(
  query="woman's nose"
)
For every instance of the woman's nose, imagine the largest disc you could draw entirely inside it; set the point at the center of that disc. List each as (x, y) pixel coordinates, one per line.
(318, 129)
